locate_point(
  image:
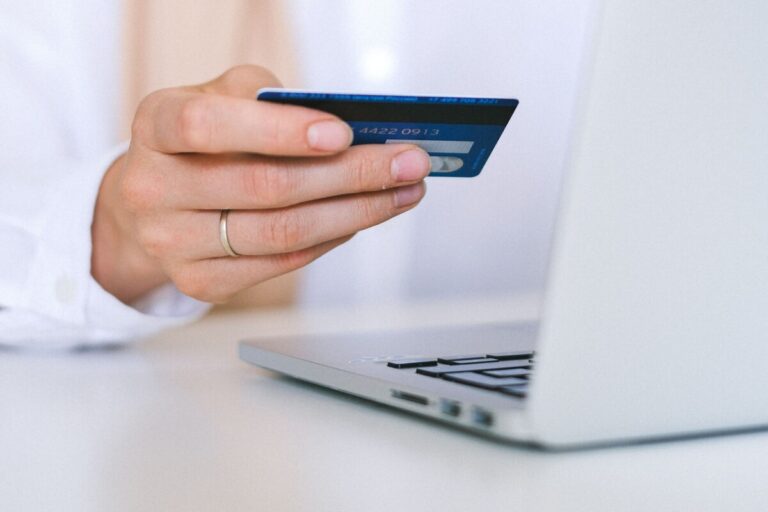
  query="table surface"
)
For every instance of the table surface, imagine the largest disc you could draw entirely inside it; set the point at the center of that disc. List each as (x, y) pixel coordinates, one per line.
(180, 423)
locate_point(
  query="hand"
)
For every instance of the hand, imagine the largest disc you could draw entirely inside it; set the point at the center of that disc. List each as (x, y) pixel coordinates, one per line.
(294, 186)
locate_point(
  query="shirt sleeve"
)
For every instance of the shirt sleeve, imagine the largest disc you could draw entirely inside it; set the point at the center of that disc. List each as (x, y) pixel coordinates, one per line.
(48, 297)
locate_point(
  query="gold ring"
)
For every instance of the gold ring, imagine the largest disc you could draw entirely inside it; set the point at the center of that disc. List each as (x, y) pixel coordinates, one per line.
(223, 236)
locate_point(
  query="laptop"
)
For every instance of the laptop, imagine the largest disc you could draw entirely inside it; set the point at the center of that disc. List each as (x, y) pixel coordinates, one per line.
(655, 316)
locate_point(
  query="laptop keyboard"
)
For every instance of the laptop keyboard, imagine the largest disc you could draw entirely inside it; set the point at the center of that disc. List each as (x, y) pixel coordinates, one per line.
(501, 372)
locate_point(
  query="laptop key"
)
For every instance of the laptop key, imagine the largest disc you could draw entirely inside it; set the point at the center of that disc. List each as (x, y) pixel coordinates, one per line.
(440, 370)
(483, 381)
(511, 372)
(503, 356)
(474, 360)
(411, 363)
(517, 391)
(451, 359)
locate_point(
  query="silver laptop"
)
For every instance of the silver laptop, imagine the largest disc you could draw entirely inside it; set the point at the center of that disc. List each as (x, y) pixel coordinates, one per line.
(655, 319)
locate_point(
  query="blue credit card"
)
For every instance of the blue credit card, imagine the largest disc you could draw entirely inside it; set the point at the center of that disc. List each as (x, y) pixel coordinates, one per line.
(458, 133)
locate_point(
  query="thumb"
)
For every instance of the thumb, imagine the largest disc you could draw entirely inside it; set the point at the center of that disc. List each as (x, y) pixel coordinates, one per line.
(241, 81)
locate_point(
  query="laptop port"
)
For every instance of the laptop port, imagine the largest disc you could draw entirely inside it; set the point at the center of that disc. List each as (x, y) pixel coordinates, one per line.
(482, 417)
(450, 408)
(410, 397)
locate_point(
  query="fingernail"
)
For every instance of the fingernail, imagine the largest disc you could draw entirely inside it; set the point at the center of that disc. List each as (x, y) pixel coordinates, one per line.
(406, 196)
(410, 165)
(329, 135)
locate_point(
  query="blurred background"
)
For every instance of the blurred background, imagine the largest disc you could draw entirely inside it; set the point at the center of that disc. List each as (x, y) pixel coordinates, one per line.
(483, 236)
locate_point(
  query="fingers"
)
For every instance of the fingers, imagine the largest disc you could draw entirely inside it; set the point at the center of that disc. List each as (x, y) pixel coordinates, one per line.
(290, 229)
(216, 280)
(247, 183)
(223, 116)
(189, 121)
(194, 235)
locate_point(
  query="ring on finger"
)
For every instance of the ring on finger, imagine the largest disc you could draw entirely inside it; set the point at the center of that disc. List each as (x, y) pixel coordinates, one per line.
(224, 236)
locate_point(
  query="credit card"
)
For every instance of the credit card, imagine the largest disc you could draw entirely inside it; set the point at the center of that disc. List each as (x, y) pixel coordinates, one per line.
(458, 133)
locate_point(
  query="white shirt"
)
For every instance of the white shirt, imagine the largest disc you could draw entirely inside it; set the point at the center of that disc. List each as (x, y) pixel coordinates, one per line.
(60, 85)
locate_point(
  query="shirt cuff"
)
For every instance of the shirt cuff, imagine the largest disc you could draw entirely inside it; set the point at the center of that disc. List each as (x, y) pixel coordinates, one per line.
(111, 321)
(60, 285)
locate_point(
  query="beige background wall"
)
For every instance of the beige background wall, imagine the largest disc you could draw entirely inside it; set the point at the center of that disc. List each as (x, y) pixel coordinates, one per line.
(176, 42)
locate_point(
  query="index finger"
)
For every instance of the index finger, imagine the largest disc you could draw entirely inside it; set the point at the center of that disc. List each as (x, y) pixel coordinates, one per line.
(188, 121)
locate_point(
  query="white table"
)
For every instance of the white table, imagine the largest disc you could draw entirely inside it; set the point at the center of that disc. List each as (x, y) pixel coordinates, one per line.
(179, 423)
